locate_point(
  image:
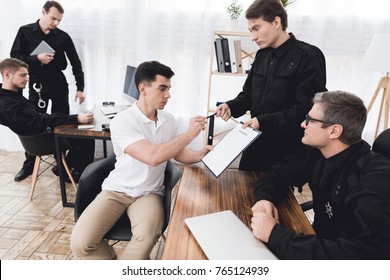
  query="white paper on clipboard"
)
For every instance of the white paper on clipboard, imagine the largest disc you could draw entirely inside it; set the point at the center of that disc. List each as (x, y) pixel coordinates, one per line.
(229, 148)
(43, 47)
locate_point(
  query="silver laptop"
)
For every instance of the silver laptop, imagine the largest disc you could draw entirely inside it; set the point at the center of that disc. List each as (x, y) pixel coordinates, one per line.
(223, 236)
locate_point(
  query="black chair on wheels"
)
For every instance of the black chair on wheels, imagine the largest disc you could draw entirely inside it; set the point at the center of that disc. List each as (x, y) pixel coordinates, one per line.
(381, 144)
(90, 186)
(40, 145)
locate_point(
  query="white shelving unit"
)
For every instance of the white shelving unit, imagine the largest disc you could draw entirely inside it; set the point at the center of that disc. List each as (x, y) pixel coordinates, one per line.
(248, 51)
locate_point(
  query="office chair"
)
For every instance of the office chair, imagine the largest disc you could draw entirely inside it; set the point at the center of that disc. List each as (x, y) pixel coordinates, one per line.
(90, 186)
(381, 145)
(43, 145)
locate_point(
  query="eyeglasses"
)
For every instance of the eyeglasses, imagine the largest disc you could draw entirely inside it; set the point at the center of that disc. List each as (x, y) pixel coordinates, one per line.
(308, 119)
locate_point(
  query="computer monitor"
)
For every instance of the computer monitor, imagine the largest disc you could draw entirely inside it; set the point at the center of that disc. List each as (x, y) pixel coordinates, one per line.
(130, 90)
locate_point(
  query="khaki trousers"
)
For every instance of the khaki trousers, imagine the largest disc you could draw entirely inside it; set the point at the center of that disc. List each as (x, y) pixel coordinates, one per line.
(146, 214)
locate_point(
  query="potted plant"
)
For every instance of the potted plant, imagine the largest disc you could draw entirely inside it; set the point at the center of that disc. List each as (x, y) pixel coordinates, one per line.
(286, 3)
(234, 10)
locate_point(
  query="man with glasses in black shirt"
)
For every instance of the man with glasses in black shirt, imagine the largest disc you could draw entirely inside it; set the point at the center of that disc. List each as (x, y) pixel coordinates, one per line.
(349, 183)
(47, 81)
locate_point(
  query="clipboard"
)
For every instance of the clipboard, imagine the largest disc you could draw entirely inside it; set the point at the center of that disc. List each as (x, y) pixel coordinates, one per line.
(43, 47)
(229, 148)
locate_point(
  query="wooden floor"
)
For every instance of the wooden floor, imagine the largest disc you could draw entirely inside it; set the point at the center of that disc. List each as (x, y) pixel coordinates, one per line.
(41, 228)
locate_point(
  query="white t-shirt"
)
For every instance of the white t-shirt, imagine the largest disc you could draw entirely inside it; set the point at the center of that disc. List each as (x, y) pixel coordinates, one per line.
(131, 176)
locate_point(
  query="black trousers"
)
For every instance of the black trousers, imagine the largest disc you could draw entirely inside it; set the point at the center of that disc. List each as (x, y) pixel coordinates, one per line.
(54, 88)
(81, 154)
(78, 157)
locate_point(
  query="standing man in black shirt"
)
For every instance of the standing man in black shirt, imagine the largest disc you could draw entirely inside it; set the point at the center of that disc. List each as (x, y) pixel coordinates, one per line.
(278, 92)
(47, 80)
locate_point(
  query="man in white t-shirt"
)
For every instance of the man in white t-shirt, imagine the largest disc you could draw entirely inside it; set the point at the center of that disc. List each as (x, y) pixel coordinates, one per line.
(144, 139)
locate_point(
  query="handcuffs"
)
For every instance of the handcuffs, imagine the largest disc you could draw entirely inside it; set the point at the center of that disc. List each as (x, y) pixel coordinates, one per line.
(41, 102)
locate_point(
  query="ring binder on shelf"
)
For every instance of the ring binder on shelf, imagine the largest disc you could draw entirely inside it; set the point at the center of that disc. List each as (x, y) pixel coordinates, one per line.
(226, 55)
(232, 56)
(222, 54)
(237, 50)
(219, 55)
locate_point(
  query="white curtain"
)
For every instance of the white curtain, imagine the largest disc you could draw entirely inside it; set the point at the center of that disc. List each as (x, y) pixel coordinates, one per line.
(111, 34)
(343, 30)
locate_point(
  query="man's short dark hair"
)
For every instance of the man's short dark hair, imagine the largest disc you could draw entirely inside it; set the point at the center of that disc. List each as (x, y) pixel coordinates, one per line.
(54, 4)
(267, 10)
(345, 109)
(147, 72)
(12, 64)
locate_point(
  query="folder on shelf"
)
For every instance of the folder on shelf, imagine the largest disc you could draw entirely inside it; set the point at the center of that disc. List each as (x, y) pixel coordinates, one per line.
(222, 54)
(219, 55)
(226, 55)
(232, 56)
(238, 56)
(229, 148)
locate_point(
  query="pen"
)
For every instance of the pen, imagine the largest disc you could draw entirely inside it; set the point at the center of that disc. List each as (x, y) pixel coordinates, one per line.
(241, 122)
(212, 115)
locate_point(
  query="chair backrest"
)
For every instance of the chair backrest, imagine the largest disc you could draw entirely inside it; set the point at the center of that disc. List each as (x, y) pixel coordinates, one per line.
(90, 186)
(41, 144)
(382, 143)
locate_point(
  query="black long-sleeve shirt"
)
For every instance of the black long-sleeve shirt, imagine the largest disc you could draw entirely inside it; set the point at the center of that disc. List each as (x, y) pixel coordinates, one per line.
(351, 198)
(28, 38)
(278, 91)
(21, 116)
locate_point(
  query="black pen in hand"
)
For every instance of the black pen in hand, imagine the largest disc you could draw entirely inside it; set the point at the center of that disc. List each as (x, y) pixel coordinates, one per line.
(212, 115)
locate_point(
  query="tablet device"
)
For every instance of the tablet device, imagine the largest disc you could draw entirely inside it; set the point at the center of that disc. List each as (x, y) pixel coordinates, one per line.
(43, 47)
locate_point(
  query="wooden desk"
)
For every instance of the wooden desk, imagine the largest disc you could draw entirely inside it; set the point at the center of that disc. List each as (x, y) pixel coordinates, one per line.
(201, 193)
(72, 131)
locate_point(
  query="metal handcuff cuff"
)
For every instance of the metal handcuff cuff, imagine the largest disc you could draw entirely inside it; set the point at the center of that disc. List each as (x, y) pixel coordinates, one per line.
(41, 102)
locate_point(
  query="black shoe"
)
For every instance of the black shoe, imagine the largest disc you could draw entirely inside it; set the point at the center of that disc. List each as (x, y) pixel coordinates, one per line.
(23, 173)
(75, 174)
(55, 170)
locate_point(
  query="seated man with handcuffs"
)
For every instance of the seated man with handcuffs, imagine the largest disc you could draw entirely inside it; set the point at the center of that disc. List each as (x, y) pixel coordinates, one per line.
(22, 117)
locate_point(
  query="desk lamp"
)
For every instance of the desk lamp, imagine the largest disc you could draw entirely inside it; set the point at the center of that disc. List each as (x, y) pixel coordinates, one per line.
(377, 58)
